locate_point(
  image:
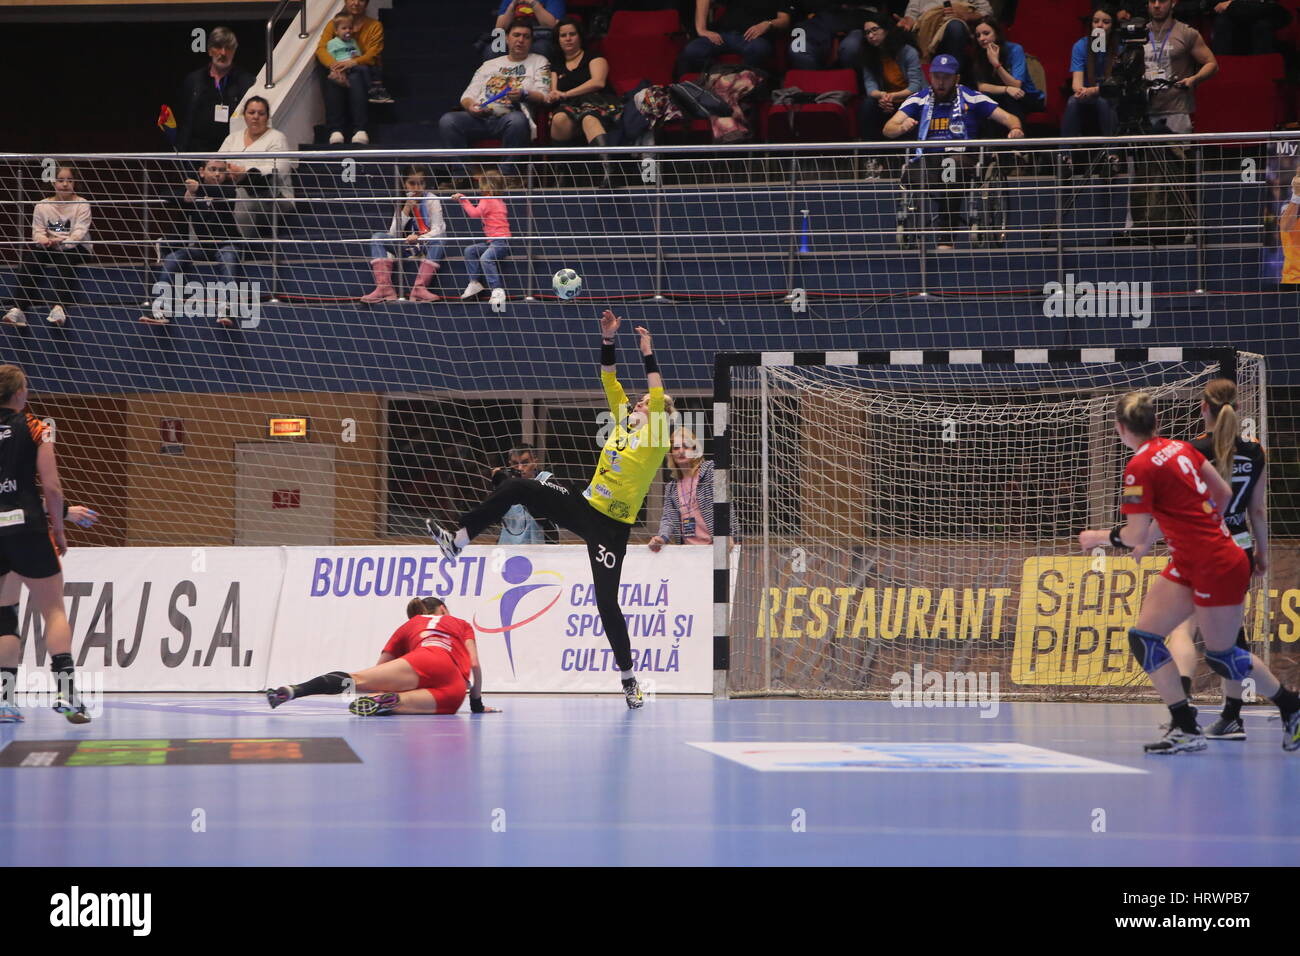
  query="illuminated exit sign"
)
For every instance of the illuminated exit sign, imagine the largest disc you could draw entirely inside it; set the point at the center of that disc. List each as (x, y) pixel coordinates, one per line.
(288, 428)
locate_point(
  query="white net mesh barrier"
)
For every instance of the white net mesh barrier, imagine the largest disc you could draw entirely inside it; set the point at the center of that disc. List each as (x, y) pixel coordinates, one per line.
(894, 516)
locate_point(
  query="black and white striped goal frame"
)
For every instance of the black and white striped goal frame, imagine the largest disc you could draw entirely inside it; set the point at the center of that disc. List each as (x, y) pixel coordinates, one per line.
(724, 362)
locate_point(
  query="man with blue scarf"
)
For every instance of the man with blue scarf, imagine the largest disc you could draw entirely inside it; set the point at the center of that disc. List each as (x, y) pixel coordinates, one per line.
(946, 111)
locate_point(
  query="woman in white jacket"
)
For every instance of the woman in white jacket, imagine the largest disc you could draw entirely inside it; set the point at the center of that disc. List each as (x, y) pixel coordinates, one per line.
(419, 228)
(262, 181)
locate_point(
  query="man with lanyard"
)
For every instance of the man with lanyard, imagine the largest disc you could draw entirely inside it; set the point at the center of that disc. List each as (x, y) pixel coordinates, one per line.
(518, 526)
(211, 95)
(1177, 54)
(946, 111)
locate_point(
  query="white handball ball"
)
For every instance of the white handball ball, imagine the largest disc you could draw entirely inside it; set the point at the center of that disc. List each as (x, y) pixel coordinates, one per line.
(566, 283)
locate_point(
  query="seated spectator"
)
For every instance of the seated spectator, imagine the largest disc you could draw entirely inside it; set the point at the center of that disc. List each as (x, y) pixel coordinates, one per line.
(1088, 68)
(746, 28)
(541, 15)
(338, 58)
(1002, 73)
(263, 181)
(60, 243)
(946, 30)
(821, 22)
(688, 498)
(417, 228)
(481, 258)
(1248, 27)
(946, 111)
(581, 99)
(496, 101)
(208, 204)
(891, 72)
(210, 95)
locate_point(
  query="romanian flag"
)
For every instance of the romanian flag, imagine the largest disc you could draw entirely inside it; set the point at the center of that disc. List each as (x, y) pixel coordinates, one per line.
(167, 123)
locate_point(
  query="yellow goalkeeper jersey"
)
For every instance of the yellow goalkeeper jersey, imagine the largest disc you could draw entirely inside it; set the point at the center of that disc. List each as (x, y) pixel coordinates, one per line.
(629, 460)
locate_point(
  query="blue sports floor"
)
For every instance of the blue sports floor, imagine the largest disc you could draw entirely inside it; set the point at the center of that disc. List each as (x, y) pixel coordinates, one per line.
(581, 780)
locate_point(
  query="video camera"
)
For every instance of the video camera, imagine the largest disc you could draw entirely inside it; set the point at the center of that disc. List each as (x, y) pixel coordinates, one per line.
(1126, 84)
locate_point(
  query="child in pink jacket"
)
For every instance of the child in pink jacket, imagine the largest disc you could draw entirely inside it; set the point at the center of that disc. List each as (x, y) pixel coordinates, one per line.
(481, 258)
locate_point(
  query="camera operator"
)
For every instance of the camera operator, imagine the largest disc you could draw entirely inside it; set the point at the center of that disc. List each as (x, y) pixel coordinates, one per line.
(1177, 53)
(1175, 61)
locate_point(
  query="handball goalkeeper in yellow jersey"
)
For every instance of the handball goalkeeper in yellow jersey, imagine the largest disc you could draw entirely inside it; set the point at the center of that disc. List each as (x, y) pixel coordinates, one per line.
(603, 516)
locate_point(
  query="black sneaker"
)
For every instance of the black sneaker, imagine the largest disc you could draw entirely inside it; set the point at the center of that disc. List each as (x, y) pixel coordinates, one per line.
(446, 540)
(1227, 728)
(71, 707)
(1177, 741)
(378, 94)
(375, 705)
(276, 696)
(632, 691)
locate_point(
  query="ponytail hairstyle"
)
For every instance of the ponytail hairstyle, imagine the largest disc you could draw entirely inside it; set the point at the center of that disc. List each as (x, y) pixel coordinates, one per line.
(1136, 412)
(1220, 394)
(424, 605)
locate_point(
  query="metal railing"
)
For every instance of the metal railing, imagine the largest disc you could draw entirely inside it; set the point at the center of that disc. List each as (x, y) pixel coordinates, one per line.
(270, 34)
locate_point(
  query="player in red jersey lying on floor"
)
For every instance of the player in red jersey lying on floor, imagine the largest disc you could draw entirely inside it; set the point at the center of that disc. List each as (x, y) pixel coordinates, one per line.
(425, 668)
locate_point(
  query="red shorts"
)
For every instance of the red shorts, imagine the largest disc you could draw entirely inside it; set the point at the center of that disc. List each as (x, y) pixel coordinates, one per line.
(1215, 583)
(440, 676)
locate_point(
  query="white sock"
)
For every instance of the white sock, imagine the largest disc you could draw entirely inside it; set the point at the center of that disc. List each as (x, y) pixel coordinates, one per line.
(462, 537)
(626, 675)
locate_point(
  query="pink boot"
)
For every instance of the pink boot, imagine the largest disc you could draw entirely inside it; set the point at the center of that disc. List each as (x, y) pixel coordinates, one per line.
(384, 291)
(420, 291)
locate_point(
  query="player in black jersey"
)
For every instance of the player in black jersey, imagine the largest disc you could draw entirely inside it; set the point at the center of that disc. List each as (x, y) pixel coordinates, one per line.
(1241, 462)
(31, 543)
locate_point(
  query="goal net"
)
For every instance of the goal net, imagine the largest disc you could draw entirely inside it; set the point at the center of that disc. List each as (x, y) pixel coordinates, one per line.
(922, 509)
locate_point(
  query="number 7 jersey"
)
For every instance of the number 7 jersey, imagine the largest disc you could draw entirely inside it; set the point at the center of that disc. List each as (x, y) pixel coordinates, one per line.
(1248, 461)
(1163, 479)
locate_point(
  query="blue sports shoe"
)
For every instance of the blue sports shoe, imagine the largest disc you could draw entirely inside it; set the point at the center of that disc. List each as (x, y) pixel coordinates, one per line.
(9, 714)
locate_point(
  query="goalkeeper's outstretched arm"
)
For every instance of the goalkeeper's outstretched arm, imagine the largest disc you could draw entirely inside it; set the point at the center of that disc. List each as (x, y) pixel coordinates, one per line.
(653, 378)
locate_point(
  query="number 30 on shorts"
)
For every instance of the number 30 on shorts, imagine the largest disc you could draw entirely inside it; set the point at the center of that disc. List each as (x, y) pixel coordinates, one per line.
(605, 556)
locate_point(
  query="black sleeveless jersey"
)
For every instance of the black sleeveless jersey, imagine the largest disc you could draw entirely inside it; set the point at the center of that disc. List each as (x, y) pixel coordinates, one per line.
(21, 434)
(1248, 462)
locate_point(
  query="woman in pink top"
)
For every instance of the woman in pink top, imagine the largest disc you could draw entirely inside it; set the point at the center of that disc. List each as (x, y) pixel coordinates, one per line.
(688, 499)
(481, 258)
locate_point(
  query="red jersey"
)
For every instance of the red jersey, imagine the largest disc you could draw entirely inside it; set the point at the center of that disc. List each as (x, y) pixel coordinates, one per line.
(1164, 480)
(434, 630)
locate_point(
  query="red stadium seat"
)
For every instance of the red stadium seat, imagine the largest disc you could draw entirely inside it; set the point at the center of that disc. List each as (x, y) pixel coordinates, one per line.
(1242, 97)
(815, 122)
(642, 46)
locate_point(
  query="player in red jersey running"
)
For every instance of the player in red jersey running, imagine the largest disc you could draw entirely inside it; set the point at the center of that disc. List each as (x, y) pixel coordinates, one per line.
(423, 669)
(1207, 575)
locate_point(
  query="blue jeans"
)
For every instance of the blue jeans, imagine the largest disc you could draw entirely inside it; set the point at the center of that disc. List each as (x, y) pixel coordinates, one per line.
(460, 130)
(228, 256)
(340, 102)
(382, 245)
(701, 52)
(481, 261)
(819, 37)
(1076, 109)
